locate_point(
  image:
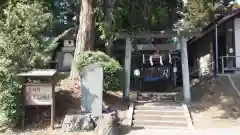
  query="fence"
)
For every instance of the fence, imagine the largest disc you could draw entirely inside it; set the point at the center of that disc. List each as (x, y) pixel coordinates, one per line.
(230, 63)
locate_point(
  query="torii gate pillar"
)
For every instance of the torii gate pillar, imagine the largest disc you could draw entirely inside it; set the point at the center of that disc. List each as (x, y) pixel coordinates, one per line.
(185, 69)
(127, 68)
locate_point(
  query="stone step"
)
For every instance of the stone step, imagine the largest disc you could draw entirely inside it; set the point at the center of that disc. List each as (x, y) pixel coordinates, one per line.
(159, 112)
(159, 123)
(159, 99)
(154, 107)
(167, 128)
(139, 102)
(159, 117)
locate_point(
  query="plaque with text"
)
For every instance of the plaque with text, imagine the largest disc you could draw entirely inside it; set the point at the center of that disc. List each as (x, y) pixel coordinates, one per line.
(40, 94)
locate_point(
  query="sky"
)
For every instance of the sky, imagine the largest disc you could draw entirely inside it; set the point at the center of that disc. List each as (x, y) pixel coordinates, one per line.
(236, 0)
(185, 1)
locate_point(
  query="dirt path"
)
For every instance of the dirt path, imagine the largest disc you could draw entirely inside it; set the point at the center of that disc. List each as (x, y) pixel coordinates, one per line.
(44, 132)
(215, 104)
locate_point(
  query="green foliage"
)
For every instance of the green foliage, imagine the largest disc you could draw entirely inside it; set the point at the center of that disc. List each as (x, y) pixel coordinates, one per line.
(111, 68)
(137, 15)
(64, 13)
(201, 12)
(22, 45)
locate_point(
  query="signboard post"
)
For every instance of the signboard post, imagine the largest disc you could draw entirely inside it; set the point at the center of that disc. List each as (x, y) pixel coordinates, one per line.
(38, 91)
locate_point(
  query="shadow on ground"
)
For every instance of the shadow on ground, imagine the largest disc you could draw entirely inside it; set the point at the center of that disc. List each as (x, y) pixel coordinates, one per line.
(115, 99)
(215, 93)
(38, 118)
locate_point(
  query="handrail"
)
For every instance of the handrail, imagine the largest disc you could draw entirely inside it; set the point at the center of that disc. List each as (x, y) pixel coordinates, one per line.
(229, 56)
(222, 60)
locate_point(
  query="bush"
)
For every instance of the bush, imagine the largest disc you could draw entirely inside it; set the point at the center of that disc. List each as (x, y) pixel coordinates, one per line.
(10, 93)
(21, 46)
(111, 68)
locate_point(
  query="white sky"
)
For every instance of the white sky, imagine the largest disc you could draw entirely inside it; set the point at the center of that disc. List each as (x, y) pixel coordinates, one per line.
(236, 0)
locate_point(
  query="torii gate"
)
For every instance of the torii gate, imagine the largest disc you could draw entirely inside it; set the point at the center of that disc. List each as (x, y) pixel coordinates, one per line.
(161, 34)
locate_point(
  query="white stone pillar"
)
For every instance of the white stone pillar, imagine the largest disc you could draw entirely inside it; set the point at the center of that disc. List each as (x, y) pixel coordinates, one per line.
(185, 69)
(127, 68)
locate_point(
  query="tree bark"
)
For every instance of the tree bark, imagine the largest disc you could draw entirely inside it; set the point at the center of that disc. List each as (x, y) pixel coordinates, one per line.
(85, 36)
(109, 20)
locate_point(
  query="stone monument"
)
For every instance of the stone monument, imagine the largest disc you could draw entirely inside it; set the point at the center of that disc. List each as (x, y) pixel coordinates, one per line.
(92, 89)
(91, 83)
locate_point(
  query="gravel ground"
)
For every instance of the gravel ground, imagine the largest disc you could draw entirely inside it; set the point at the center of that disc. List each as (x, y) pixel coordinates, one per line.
(223, 131)
(44, 132)
(215, 105)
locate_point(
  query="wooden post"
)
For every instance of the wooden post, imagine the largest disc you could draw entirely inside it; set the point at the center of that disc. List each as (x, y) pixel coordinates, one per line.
(185, 69)
(222, 58)
(174, 73)
(53, 104)
(216, 49)
(127, 68)
(23, 107)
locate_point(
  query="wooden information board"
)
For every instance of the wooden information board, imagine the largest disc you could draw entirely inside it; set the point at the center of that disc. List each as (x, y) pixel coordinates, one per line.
(38, 91)
(38, 94)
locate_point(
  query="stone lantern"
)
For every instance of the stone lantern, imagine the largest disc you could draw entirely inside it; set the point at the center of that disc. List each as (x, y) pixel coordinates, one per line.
(65, 56)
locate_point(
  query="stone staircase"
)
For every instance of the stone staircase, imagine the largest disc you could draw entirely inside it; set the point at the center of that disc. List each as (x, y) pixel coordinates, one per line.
(156, 96)
(161, 115)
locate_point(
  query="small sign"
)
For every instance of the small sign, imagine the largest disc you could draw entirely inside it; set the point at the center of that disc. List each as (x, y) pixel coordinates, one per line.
(230, 50)
(38, 94)
(175, 70)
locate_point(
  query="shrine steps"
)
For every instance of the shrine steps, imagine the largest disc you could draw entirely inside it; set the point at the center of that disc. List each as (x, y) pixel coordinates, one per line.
(161, 115)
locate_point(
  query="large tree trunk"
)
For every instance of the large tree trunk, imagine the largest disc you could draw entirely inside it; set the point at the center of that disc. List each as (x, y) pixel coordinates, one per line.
(109, 20)
(85, 36)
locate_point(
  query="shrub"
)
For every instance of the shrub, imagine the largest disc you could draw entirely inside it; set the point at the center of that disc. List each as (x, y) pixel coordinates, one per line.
(21, 46)
(111, 68)
(10, 93)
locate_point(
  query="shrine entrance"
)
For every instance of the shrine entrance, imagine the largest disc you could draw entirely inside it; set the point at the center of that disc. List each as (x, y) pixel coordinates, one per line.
(152, 71)
(156, 72)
